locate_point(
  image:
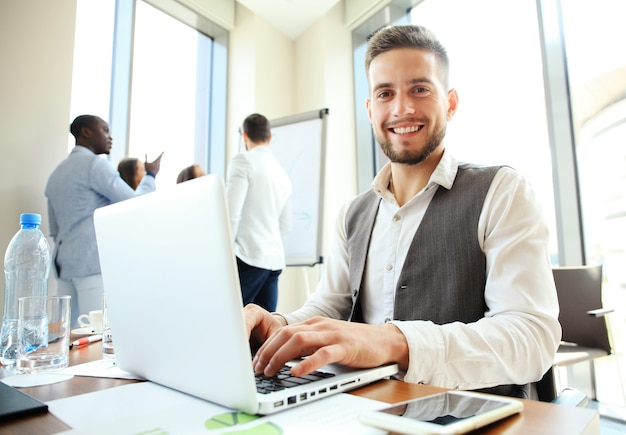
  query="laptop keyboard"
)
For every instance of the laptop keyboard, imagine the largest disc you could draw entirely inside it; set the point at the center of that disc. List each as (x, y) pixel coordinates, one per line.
(283, 379)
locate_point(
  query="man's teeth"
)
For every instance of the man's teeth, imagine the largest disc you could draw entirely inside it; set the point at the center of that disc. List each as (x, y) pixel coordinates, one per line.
(405, 130)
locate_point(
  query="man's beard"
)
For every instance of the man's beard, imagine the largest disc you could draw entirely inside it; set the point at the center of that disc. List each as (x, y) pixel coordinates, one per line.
(412, 157)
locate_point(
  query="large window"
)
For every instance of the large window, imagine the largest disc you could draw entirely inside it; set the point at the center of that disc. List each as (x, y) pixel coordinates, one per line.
(93, 51)
(498, 74)
(594, 36)
(596, 65)
(152, 76)
(169, 100)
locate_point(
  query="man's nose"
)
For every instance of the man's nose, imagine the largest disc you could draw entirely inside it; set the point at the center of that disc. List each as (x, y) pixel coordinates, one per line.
(404, 105)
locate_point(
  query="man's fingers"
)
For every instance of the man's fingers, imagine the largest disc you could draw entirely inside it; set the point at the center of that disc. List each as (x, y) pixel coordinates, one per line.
(323, 356)
(294, 342)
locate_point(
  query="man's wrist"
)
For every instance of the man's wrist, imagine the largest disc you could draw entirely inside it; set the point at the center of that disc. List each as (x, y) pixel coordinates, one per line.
(398, 345)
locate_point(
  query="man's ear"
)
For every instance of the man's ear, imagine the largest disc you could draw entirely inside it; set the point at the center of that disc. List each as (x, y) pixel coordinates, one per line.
(453, 103)
(85, 131)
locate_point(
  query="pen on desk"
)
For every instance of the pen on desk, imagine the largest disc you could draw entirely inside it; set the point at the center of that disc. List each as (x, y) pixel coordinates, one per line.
(86, 340)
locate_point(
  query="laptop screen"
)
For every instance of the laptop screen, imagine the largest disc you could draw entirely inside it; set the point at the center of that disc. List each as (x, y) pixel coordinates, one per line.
(172, 289)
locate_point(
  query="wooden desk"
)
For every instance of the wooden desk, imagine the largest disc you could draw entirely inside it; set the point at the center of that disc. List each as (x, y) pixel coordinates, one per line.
(537, 418)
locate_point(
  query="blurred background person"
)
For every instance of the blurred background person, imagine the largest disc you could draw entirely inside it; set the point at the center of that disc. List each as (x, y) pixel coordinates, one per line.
(258, 190)
(132, 170)
(189, 173)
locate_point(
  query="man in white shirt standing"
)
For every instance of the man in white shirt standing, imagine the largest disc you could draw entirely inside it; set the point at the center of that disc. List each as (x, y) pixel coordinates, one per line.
(259, 203)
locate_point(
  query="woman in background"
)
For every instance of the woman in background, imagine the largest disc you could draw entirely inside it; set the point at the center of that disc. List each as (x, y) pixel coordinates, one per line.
(132, 170)
(189, 173)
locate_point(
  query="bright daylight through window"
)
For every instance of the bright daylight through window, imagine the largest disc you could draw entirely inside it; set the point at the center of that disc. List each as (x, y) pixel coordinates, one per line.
(168, 106)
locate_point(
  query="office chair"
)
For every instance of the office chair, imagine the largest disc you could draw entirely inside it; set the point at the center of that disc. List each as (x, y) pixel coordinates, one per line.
(547, 392)
(586, 334)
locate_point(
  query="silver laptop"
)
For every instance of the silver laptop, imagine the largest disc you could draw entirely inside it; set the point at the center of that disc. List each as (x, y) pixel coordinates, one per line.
(175, 305)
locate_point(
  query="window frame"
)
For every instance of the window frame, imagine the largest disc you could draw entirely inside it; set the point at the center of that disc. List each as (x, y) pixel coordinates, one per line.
(212, 156)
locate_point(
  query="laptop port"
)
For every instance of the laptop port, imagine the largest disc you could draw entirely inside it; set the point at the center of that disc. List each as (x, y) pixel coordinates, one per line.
(322, 391)
(291, 400)
(279, 403)
(303, 396)
(348, 383)
(334, 387)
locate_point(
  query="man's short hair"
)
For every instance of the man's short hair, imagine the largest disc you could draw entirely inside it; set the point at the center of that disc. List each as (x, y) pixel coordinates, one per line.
(408, 36)
(257, 127)
(80, 122)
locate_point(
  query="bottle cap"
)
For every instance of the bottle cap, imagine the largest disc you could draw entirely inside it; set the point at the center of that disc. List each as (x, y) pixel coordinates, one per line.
(30, 219)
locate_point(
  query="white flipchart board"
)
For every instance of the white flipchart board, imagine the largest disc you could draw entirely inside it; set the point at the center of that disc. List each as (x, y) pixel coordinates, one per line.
(298, 143)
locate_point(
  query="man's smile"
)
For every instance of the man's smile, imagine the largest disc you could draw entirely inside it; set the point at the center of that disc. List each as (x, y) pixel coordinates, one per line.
(406, 130)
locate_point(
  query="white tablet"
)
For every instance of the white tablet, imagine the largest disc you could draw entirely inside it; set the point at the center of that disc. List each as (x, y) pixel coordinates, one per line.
(451, 412)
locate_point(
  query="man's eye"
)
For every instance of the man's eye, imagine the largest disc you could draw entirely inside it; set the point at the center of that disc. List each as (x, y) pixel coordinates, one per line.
(420, 90)
(384, 94)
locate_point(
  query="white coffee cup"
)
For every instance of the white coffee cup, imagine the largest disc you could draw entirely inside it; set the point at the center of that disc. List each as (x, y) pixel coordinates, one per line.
(92, 320)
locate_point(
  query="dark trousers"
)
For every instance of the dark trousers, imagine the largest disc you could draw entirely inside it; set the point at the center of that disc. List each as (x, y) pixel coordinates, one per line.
(258, 286)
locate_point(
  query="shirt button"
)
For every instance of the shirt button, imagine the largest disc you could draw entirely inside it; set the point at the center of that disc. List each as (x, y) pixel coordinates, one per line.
(387, 320)
(396, 218)
(389, 267)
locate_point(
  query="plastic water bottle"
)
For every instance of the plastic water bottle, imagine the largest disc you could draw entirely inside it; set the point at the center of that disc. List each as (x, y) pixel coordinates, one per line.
(26, 271)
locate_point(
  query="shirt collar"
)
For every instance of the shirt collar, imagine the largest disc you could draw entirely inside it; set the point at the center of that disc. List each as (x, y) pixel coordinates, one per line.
(443, 175)
(261, 149)
(81, 149)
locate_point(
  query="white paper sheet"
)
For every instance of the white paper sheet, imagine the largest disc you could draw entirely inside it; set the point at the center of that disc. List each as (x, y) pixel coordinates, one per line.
(102, 368)
(153, 409)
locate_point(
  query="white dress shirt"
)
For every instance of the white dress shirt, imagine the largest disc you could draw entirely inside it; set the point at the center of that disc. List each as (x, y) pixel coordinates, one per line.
(514, 343)
(259, 204)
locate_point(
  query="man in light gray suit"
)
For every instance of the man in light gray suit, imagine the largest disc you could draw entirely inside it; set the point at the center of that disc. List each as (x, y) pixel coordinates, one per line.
(80, 184)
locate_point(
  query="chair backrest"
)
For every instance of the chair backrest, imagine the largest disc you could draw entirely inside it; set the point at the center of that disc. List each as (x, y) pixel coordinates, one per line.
(579, 290)
(546, 392)
(546, 386)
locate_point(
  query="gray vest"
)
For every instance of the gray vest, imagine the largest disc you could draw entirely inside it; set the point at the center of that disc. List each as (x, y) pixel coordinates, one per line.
(444, 274)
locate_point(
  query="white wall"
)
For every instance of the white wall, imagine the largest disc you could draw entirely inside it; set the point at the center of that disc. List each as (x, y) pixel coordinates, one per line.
(36, 47)
(323, 71)
(260, 75)
(269, 74)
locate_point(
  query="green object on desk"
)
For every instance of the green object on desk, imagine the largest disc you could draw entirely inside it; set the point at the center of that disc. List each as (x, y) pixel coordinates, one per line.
(231, 419)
